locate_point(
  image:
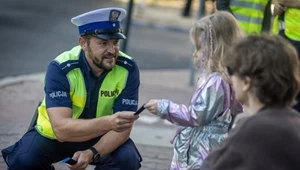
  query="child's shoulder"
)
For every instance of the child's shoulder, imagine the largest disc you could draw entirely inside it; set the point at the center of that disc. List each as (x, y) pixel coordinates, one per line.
(215, 79)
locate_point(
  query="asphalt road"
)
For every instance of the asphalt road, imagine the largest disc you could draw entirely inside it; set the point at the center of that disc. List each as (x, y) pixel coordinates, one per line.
(33, 32)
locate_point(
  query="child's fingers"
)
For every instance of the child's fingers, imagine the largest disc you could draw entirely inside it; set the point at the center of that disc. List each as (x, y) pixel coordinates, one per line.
(150, 103)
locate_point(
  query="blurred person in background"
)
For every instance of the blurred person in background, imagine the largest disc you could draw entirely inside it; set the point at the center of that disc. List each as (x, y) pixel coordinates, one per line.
(91, 93)
(265, 74)
(187, 8)
(254, 16)
(287, 24)
(287, 21)
(207, 120)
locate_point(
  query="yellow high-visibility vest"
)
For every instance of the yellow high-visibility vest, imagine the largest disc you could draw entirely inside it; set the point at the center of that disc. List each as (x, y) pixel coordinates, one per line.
(291, 24)
(249, 14)
(114, 82)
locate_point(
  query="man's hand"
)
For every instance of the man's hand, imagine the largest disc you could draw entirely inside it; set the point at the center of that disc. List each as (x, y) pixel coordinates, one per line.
(83, 159)
(278, 9)
(122, 121)
(151, 106)
(290, 3)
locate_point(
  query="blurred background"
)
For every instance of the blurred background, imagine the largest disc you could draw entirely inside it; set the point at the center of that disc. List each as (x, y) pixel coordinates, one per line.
(33, 32)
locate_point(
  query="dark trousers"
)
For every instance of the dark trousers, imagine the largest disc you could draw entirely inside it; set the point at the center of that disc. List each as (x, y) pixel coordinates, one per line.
(35, 152)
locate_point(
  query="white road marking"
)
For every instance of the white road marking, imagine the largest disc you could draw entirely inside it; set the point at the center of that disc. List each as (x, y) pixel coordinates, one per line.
(148, 119)
(152, 120)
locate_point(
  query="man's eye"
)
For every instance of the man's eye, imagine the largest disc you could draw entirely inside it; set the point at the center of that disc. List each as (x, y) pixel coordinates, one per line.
(116, 42)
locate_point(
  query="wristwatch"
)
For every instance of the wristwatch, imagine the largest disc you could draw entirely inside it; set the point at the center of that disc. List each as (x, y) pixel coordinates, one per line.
(96, 156)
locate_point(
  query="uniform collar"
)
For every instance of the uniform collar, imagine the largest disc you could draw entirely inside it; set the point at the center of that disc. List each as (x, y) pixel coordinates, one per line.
(85, 65)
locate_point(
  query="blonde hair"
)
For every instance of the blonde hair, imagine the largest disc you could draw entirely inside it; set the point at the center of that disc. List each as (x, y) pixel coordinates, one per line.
(212, 36)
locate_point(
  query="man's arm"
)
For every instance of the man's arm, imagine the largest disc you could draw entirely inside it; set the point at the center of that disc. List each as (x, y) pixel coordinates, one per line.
(223, 5)
(290, 3)
(278, 9)
(67, 129)
(126, 101)
(76, 130)
(60, 113)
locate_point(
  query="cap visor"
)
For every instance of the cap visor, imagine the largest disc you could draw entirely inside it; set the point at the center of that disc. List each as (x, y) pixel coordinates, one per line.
(116, 35)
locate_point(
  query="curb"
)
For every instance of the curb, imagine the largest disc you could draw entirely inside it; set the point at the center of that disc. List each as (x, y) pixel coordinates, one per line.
(39, 77)
(143, 23)
(11, 80)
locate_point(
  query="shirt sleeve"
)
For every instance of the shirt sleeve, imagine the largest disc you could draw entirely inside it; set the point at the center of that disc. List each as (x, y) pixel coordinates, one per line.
(207, 103)
(128, 99)
(57, 88)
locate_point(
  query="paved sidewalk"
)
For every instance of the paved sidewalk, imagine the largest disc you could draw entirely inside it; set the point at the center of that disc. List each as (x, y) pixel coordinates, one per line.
(154, 157)
(19, 96)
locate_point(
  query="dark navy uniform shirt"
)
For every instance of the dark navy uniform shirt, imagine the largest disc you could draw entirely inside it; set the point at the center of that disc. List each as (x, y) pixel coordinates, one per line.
(57, 87)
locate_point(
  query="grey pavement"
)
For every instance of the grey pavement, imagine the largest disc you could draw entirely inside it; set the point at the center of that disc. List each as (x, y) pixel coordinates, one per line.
(20, 95)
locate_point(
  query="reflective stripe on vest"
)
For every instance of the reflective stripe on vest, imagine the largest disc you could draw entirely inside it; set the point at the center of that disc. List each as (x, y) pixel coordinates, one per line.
(112, 85)
(291, 24)
(249, 14)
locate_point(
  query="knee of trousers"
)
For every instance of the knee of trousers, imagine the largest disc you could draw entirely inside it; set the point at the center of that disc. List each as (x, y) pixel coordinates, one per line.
(25, 154)
(24, 162)
(127, 157)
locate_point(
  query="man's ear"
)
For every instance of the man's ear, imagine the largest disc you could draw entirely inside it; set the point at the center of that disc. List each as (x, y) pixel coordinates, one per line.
(83, 43)
(246, 83)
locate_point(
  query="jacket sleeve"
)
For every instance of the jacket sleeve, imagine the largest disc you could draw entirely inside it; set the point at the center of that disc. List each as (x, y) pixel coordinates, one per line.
(206, 104)
(128, 99)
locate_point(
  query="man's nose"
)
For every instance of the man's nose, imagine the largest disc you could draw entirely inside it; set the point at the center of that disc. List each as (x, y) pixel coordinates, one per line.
(111, 49)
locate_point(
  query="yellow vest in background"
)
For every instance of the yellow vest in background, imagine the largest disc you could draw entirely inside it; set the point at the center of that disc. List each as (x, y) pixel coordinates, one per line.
(291, 24)
(249, 14)
(112, 85)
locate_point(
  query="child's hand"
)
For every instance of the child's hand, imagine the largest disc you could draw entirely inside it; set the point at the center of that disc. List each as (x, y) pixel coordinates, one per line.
(151, 106)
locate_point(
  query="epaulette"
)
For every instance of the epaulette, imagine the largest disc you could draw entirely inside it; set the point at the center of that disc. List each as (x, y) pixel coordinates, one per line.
(127, 63)
(69, 65)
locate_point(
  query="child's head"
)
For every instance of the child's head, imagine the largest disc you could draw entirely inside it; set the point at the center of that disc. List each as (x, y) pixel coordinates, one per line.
(212, 36)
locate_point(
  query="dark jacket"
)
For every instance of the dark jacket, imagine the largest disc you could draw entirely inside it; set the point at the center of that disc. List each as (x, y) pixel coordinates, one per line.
(269, 140)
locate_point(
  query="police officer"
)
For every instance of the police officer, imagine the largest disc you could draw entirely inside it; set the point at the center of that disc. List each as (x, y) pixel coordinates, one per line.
(287, 24)
(254, 16)
(287, 21)
(91, 92)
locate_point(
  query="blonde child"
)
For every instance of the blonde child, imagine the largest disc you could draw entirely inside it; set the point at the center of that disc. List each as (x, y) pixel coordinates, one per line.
(206, 121)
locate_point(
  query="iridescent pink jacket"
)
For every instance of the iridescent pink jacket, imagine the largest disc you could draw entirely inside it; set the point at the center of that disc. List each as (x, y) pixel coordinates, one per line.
(204, 123)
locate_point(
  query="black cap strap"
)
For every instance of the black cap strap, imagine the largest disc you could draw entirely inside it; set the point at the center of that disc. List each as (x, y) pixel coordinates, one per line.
(102, 31)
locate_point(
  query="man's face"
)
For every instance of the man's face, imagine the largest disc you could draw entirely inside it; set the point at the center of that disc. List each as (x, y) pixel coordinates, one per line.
(103, 53)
